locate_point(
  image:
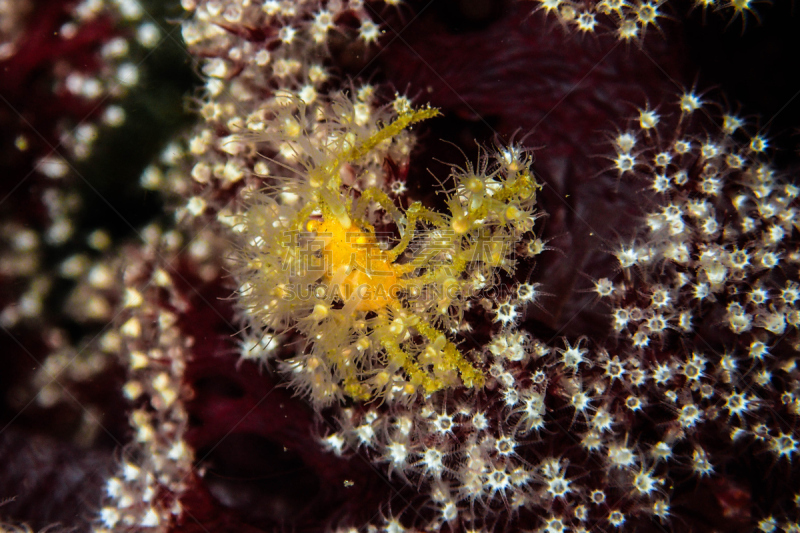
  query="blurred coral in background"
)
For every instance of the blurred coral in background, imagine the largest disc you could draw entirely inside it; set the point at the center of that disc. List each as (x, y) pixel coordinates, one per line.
(399, 266)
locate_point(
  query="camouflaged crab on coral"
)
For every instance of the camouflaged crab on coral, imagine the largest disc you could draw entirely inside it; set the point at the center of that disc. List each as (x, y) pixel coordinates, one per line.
(377, 307)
